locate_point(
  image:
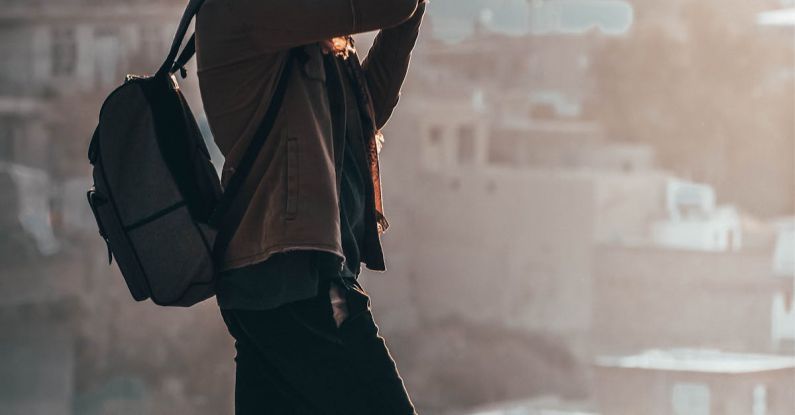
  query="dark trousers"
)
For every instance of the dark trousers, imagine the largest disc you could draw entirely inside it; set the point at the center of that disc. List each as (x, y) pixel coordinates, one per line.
(294, 360)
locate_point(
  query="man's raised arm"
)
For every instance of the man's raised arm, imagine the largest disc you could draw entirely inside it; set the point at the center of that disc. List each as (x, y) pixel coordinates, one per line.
(387, 63)
(281, 24)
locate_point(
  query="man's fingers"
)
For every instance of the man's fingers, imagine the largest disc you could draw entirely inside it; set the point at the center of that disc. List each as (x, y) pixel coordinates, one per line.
(339, 304)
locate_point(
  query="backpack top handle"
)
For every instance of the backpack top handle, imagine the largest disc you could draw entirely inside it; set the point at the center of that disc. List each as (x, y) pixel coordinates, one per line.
(169, 66)
(185, 56)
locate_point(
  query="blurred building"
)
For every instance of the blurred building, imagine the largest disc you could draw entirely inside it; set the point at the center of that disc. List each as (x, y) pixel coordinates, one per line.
(695, 382)
(65, 342)
(498, 195)
(60, 59)
(661, 85)
(703, 275)
(37, 358)
(694, 222)
(525, 240)
(515, 214)
(687, 298)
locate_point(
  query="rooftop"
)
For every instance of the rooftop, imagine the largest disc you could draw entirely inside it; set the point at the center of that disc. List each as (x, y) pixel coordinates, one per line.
(547, 405)
(88, 10)
(782, 17)
(699, 360)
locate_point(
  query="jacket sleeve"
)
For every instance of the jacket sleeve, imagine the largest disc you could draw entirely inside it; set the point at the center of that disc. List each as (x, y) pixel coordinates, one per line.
(387, 64)
(281, 24)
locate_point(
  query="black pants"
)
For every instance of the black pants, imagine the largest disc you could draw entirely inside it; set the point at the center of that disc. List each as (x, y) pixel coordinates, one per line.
(294, 360)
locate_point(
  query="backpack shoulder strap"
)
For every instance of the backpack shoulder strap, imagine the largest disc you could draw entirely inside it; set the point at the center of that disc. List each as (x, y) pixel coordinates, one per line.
(225, 221)
(221, 219)
(168, 65)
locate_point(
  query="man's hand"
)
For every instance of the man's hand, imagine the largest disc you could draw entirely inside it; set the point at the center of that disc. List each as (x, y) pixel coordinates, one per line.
(339, 304)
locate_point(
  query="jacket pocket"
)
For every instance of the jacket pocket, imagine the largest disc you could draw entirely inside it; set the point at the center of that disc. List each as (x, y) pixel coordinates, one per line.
(292, 175)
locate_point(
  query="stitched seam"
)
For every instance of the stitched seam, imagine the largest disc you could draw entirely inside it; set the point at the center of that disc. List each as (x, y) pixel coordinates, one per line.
(154, 216)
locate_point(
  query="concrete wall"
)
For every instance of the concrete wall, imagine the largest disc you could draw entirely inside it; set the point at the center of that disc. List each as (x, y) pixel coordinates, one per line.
(37, 365)
(652, 392)
(654, 297)
(501, 246)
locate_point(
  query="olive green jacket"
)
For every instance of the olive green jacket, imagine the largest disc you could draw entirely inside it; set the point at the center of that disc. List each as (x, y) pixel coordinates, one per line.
(241, 47)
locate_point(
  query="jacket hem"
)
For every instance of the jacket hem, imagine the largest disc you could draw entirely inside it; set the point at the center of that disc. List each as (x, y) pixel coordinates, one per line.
(263, 256)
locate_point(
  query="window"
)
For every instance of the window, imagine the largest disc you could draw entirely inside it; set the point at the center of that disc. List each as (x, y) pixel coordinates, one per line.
(107, 52)
(691, 399)
(64, 51)
(466, 144)
(435, 148)
(504, 150)
(152, 44)
(436, 135)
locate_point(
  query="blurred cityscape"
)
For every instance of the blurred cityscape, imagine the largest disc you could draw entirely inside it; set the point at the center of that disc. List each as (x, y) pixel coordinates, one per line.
(592, 207)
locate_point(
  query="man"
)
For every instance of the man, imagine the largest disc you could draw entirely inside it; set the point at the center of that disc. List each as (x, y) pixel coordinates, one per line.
(305, 337)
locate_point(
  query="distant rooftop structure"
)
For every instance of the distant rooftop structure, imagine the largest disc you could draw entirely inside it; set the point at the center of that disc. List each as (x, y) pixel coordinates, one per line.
(563, 104)
(781, 17)
(609, 17)
(695, 222)
(88, 9)
(454, 20)
(699, 360)
(537, 406)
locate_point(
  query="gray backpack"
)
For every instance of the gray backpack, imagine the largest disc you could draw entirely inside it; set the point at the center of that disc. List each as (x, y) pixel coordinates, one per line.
(156, 197)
